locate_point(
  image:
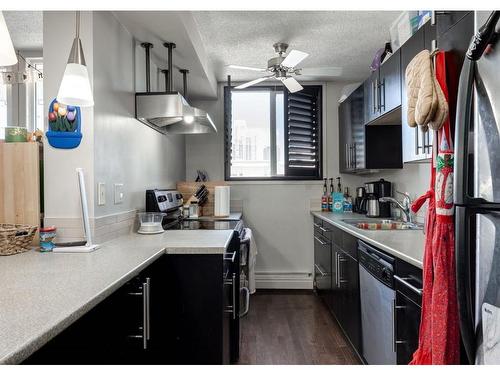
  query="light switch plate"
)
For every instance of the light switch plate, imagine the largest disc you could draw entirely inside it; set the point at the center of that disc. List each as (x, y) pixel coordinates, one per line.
(101, 194)
(119, 194)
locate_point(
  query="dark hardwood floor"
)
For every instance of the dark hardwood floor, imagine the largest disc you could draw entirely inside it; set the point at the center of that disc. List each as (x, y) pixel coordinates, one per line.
(292, 328)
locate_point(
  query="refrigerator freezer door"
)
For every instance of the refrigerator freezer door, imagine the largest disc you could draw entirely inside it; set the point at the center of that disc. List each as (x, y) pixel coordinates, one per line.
(491, 329)
(487, 288)
(487, 124)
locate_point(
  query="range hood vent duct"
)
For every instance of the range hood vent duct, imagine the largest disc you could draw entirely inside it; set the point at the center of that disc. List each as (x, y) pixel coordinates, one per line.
(169, 112)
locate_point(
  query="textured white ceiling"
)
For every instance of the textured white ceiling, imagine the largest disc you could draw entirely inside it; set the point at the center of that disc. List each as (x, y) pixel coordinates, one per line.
(25, 28)
(346, 39)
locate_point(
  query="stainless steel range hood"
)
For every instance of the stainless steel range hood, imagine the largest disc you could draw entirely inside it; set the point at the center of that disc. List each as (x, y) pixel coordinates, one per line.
(169, 112)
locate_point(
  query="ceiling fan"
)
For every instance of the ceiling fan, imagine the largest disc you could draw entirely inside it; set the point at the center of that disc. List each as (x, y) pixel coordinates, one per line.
(283, 68)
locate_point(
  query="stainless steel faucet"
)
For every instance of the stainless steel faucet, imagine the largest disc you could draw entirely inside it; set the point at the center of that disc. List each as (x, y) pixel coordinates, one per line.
(404, 205)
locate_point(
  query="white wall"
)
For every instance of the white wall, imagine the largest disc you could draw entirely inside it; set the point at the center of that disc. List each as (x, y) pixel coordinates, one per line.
(279, 212)
(126, 151)
(115, 148)
(61, 194)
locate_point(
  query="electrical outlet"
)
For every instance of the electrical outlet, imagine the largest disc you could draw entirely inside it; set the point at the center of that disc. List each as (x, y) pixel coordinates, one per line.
(119, 194)
(101, 194)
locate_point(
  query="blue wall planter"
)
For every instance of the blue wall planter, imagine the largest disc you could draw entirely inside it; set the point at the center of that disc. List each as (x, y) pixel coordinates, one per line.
(65, 139)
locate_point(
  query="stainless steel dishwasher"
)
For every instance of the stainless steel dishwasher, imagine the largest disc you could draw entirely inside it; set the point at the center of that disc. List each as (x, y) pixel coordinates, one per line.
(378, 299)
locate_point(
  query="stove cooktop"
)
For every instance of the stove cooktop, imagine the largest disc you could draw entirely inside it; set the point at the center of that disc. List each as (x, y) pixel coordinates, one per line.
(203, 224)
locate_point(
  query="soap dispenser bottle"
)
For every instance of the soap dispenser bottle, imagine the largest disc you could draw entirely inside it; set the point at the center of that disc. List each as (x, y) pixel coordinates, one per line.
(324, 198)
(338, 198)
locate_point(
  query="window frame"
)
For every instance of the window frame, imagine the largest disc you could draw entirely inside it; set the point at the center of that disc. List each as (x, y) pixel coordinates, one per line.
(227, 136)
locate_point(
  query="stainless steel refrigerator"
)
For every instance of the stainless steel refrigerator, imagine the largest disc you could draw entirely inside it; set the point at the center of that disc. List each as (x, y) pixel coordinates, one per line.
(477, 194)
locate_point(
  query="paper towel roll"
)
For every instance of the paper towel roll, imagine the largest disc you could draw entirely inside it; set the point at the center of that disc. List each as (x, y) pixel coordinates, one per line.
(222, 201)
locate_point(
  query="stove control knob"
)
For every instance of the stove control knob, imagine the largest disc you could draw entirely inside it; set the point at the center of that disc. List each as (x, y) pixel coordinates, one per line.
(386, 274)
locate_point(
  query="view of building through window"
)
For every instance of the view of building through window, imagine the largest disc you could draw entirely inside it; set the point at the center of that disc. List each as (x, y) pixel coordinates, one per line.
(257, 142)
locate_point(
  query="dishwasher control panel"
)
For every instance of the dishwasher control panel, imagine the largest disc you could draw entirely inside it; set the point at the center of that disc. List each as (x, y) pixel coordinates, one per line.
(380, 265)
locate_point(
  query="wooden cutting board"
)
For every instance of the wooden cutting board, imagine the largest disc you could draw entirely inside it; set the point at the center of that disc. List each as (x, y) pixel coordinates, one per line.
(188, 188)
(20, 184)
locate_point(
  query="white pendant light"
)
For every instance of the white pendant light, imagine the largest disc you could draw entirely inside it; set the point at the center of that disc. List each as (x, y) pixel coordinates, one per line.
(75, 85)
(7, 54)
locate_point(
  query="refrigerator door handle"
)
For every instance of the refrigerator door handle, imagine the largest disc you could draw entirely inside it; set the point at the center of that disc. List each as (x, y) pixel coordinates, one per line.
(462, 127)
(464, 281)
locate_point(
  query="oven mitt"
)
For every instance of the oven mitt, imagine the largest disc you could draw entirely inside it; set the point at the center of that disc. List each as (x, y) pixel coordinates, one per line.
(421, 92)
(442, 110)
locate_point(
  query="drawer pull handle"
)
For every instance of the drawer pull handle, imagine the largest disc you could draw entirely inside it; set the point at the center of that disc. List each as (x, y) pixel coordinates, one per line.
(403, 280)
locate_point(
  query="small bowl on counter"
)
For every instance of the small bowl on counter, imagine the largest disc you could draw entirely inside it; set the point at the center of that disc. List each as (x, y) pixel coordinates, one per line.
(150, 222)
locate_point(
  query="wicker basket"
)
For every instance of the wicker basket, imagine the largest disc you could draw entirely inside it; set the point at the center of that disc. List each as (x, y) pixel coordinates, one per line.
(16, 238)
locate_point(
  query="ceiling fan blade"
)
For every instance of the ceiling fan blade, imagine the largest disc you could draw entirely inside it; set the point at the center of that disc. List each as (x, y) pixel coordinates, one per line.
(321, 72)
(294, 58)
(292, 85)
(254, 82)
(246, 68)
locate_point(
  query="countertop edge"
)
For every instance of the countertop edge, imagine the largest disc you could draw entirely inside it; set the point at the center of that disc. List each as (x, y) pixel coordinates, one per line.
(349, 229)
(36, 343)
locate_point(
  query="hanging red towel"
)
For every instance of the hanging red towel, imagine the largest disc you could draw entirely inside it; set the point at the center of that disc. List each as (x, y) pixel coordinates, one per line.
(439, 340)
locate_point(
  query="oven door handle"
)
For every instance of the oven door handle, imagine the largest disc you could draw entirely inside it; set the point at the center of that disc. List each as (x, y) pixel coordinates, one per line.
(247, 301)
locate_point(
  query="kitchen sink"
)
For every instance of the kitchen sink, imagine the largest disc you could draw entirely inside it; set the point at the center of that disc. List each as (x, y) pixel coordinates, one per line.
(401, 225)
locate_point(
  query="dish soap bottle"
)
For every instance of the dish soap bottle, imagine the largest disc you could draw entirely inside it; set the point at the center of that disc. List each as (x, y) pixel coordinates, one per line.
(338, 198)
(347, 200)
(324, 198)
(330, 196)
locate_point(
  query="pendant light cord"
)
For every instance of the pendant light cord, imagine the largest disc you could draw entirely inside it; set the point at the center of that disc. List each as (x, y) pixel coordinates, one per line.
(78, 24)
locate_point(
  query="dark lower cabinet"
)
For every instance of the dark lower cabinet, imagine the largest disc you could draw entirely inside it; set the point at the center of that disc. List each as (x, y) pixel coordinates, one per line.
(337, 279)
(349, 314)
(408, 283)
(323, 268)
(125, 328)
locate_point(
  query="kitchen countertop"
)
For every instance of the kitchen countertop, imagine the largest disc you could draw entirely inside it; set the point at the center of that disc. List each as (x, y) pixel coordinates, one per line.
(43, 293)
(407, 245)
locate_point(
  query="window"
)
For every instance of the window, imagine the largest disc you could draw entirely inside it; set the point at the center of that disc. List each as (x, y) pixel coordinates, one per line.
(272, 134)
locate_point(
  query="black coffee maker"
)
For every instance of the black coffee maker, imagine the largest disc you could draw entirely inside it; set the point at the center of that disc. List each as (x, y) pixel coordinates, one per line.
(359, 201)
(378, 189)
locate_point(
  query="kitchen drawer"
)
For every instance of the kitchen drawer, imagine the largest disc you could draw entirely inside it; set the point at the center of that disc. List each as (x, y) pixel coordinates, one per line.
(408, 280)
(350, 245)
(335, 234)
(323, 228)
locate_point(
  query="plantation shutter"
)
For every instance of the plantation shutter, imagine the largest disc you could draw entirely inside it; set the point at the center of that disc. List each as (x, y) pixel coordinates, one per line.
(303, 132)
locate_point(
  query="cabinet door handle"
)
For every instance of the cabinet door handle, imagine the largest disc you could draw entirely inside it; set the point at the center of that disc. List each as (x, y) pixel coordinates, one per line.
(230, 256)
(374, 98)
(321, 272)
(417, 146)
(354, 164)
(394, 326)
(319, 240)
(148, 303)
(382, 95)
(321, 228)
(144, 315)
(337, 270)
(346, 157)
(377, 104)
(235, 288)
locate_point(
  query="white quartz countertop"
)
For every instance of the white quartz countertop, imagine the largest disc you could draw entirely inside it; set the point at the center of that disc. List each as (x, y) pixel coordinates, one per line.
(407, 245)
(43, 293)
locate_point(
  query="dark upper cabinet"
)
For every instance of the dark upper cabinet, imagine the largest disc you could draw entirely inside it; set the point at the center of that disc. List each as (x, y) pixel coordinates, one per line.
(417, 145)
(352, 132)
(382, 90)
(370, 87)
(455, 41)
(445, 20)
(389, 95)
